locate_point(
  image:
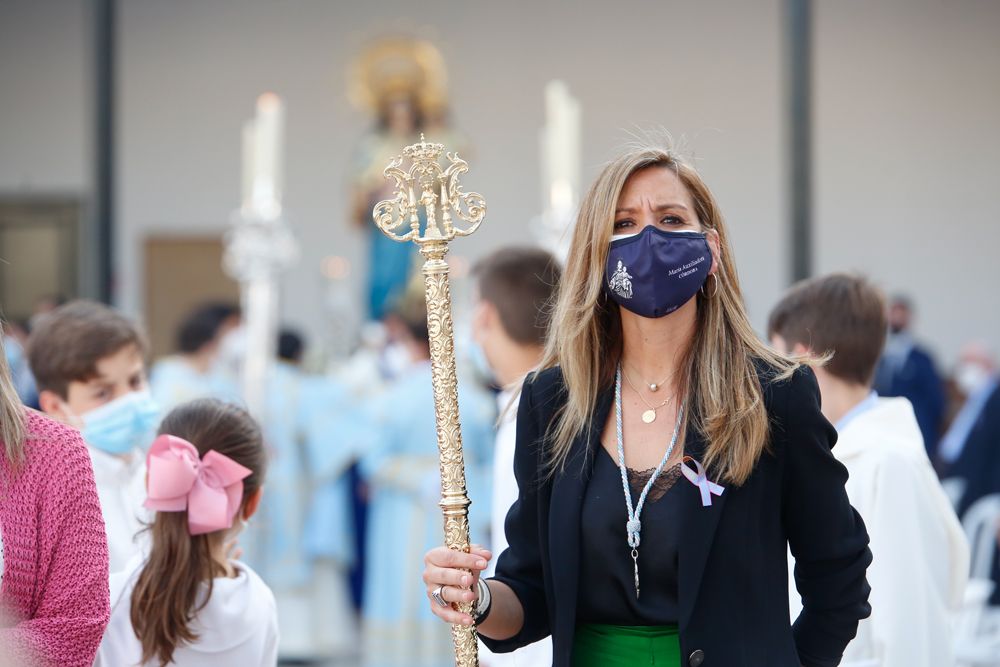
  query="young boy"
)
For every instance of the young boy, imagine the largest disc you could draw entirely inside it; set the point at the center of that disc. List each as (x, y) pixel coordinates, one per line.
(89, 363)
(515, 289)
(921, 555)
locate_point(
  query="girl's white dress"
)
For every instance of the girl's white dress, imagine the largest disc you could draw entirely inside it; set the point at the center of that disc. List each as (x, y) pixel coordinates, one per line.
(238, 626)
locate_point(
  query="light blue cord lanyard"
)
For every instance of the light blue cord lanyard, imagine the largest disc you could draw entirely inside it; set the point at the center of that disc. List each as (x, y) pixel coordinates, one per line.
(634, 527)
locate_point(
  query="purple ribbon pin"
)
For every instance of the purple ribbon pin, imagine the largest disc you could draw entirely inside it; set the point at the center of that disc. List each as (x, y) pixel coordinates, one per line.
(707, 487)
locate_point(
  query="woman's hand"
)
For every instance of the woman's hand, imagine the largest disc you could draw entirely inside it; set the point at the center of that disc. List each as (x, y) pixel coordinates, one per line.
(458, 575)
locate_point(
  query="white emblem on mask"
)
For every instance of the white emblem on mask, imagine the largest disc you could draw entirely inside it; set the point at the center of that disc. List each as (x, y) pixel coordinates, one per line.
(621, 281)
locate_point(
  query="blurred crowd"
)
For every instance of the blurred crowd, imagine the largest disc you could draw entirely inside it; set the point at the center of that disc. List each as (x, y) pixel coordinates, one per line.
(352, 483)
(350, 496)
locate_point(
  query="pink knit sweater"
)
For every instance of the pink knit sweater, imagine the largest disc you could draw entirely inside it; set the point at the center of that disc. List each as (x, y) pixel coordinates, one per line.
(55, 571)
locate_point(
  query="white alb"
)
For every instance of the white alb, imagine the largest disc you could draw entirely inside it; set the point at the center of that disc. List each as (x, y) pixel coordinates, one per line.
(921, 556)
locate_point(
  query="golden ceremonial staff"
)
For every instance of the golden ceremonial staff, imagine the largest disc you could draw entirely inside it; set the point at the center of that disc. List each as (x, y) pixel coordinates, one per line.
(425, 185)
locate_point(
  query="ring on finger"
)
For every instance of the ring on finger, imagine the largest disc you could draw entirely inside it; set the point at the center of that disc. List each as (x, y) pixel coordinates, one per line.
(436, 594)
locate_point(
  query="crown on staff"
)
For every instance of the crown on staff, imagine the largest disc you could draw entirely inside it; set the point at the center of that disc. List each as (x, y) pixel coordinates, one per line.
(426, 192)
(424, 150)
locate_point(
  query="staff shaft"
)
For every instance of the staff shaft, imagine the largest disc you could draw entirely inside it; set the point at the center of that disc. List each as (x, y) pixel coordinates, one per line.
(454, 498)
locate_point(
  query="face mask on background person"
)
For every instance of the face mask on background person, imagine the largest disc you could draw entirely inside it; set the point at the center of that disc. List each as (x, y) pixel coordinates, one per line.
(655, 272)
(481, 364)
(232, 351)
(394, 361)
(121, 425)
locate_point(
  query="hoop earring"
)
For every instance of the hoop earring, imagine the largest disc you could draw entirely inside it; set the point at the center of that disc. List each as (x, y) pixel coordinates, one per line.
(716, 284)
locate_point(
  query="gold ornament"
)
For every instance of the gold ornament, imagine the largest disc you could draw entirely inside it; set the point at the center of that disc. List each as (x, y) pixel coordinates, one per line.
(426, 185)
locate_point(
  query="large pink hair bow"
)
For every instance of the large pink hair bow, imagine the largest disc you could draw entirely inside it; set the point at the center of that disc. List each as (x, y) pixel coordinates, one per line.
(210, 488)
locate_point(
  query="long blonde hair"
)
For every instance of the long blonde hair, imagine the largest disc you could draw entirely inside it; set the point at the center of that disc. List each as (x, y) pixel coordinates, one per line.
(718, 370)
(12, 427)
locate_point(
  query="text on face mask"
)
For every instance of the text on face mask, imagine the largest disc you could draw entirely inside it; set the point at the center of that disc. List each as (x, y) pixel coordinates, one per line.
(687, 269)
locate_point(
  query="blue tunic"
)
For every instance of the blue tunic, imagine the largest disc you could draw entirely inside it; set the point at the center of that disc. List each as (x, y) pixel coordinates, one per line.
(306, 433)
(173, 381)
(401, 466)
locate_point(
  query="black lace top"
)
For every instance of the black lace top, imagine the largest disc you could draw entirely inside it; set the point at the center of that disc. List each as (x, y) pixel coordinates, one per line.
(607, 578)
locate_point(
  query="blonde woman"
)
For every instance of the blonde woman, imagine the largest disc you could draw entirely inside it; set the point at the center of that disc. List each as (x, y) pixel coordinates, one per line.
(53, 550)
(665, 459)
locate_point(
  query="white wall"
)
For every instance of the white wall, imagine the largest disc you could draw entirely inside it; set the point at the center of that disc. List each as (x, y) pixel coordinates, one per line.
(44, 96)
(906, 127)
(907, 146)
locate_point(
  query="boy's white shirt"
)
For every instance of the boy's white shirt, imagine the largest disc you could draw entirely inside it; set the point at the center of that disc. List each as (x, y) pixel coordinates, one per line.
(921, 556)
(121, 488)
(538, 654)
(238, 626)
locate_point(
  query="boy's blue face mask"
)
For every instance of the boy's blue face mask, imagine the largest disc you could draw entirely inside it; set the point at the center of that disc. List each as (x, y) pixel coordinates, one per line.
(654, 272)
(125, 423)
(480, 364)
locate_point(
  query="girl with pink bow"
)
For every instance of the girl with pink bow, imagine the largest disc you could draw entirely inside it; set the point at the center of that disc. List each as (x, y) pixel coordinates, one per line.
(188, 603)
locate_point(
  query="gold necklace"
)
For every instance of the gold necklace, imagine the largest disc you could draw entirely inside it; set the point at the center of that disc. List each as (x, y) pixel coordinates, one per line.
(649, 416)
(655, 386)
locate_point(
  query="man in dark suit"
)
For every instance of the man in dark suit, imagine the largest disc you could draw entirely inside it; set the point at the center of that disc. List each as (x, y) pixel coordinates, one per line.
(907, 369)
(970, 450)
(979, 462)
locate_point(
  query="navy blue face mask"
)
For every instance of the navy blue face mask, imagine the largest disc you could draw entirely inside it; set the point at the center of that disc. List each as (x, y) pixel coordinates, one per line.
(653, 273)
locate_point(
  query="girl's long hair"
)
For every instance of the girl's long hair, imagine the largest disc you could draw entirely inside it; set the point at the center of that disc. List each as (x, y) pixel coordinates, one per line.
(169, 592)
(719, 369)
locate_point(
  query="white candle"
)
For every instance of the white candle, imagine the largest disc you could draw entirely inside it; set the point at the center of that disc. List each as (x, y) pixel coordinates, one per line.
(560, 150)
(267, 155)
(248, 173)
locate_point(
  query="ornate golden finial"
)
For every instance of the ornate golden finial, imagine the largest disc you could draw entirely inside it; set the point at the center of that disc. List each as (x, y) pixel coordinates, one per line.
(426, 187)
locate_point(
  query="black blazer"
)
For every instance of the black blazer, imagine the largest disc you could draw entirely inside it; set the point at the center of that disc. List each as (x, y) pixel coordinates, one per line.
(733, 590)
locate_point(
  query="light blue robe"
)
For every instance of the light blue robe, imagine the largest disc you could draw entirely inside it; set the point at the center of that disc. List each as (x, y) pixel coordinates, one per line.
(173, 381)
(309, 450)
(339, 433)
(401, 468)
(306, 429)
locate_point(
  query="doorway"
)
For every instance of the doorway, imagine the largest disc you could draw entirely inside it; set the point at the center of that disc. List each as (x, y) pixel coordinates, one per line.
(182, 273)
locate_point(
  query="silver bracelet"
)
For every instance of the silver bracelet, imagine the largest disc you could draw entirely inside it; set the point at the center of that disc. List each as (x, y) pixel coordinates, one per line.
(484, 601)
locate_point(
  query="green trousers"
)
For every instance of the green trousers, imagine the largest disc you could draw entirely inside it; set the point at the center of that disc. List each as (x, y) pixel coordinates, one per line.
(626, 646)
